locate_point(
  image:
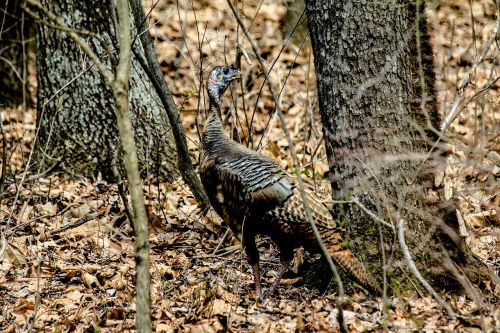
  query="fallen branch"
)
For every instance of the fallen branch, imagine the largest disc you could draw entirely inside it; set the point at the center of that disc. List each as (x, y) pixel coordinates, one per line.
(76, 224)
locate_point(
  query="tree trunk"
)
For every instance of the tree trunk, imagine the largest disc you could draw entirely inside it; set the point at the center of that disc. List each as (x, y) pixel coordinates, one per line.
(14, 35)
(377, 101)
(75, 106)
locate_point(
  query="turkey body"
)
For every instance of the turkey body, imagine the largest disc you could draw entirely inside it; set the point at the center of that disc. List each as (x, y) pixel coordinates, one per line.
(254, 196)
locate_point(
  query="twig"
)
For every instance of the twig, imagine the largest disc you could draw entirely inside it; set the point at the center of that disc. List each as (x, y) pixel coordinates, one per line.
(226, 251)
(340, 300)
(76, 223)
(121, 189)
(420, 294)
(3, 245)
(416, 273)
(117, 231)
(42, 174)
(221, 241)
(462, 279)
(355, 200)
(4, 157)
(32, 318)
(8, 62)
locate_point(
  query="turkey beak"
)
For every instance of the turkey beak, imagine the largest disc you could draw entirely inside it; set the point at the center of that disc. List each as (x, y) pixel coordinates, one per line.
(236, 75)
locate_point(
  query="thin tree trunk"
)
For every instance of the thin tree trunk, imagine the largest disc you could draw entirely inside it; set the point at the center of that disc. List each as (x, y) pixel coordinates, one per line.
(152, 69)
(376, 96)
(75, 106)
(118, 81)
(120, 88)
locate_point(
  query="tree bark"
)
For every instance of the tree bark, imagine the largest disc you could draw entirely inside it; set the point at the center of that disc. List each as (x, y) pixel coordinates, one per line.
(377, 101)
(75, 106)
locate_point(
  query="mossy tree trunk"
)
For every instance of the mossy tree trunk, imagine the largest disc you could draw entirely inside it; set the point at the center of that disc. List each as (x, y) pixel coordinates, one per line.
(75, 106)
(377, 100)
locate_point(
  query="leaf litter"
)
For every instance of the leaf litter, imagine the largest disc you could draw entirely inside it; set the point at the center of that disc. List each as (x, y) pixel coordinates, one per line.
(82, 279)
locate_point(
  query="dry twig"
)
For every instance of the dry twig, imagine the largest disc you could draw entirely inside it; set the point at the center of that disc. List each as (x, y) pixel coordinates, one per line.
(416, 273)
(76, 224)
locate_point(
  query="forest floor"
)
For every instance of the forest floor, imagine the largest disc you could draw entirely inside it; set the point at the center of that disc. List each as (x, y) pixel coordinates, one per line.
(81, 279)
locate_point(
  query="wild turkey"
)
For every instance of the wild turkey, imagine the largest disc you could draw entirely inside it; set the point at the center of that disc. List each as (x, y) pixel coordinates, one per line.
(254, 196)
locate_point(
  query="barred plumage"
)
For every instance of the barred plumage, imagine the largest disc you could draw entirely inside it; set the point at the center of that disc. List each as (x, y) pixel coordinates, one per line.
(254, 196)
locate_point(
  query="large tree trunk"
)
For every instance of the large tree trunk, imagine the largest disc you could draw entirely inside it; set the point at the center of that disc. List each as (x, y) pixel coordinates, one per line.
(14, 36)
(75, 107)
(376, 97)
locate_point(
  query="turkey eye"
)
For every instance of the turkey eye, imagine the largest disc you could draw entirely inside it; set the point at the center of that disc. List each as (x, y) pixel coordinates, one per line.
(226, 71)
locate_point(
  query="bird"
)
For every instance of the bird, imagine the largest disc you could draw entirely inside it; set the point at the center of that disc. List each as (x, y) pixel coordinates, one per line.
(253, 195)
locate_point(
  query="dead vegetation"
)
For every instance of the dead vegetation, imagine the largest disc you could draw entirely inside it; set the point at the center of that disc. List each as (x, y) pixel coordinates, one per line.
(81, 279)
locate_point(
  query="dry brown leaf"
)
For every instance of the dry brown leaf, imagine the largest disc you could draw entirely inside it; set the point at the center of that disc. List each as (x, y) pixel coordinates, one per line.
(164, 328)
(12, 258)
(23, 306)
(226, 295)
(80, 211)
(90, 280)
(496, 170)
(46, 209)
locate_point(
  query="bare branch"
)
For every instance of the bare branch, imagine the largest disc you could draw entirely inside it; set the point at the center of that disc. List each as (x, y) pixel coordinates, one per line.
(4, 158)
(416, 273)
(369, 212)
(76, 224)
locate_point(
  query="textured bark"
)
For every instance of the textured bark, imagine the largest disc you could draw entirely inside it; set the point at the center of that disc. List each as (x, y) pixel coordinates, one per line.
(75, 106)
(376, 96)
(15, 30)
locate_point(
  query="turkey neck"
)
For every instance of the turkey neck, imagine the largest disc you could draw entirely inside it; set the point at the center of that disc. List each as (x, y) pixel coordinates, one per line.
(213, 134)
